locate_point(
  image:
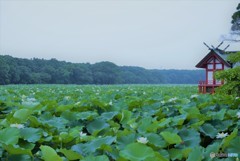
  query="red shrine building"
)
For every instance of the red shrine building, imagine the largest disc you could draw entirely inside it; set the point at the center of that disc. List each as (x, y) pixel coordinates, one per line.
(215, 60)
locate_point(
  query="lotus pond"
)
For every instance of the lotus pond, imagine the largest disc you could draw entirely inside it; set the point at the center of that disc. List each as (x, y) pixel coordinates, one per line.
(106, 123)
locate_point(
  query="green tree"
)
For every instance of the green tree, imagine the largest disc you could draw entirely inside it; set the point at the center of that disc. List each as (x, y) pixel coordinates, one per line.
(236, 22)
(4, 72)
(232, 76)
(105, 73)
(25, 75)
(81, 74)
(40, 71)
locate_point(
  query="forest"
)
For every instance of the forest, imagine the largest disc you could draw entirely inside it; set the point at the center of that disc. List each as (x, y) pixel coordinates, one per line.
(41, 71)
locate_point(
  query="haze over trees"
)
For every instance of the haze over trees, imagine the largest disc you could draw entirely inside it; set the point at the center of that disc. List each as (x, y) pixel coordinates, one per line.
(41, 71)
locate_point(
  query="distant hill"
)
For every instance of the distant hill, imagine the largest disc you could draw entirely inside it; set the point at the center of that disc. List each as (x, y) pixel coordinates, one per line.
(41, 71)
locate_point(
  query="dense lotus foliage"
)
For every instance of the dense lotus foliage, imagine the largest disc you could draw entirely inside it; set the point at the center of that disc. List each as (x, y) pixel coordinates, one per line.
(105, 123)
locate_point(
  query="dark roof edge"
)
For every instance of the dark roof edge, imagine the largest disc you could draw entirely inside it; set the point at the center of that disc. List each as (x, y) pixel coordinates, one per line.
(213, 51)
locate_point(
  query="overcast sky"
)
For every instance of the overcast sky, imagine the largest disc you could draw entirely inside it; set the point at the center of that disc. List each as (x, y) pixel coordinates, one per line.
(154, 34)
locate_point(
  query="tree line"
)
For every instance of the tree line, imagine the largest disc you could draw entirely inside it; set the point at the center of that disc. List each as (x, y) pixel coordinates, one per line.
(232, 76)
(41, 71)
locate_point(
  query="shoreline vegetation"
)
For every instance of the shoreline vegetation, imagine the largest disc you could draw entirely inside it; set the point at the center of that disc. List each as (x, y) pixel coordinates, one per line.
(41, 71)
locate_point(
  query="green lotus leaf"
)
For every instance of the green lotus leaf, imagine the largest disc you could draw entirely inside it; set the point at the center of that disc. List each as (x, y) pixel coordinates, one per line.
(124, 140)
(178, 120)
(9, 136)
(213, 148)
(143, 124)
(74, 132)
(90, 147)
(190, 137)
(157, 157)
(16, 150)
(221, 125)
(57, 122)
(186, 152)
(156, 140)
(96, 158)
(22, 114)
(113, 117)
(153, 127)
(197, 124)
(209, 130)
(191, 112)
(126, 116)
(66, 137)
(218, 115)
(68, 115)
(226, 141)
(233, 146)
(136, 152)
(19, 157)
(108, 115)
(195, 154)
(164, 153)
(49, 154)
(96, 126)
(63, 108)
(134, 103)
(165, 122)
(34, 122)
(231, 113)
(88, 115)
(100, 141)
(175, 154)
(99, 103)
(70, 155)
(1, 151)
(26, 145)
(29, 103)
(171, 138)
(120, 105)
(31, 134)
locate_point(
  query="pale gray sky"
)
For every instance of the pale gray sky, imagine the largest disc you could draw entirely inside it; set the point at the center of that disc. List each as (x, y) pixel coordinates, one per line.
(154, 34)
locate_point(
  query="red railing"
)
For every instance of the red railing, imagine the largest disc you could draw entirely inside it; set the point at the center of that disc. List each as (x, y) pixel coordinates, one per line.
(208, 86)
